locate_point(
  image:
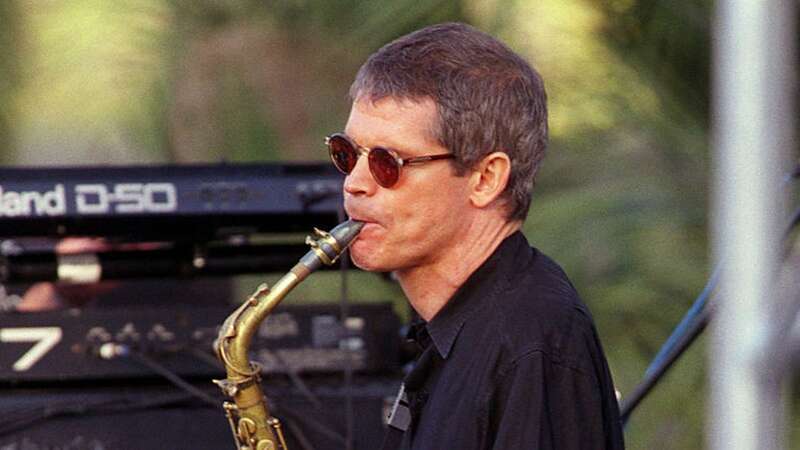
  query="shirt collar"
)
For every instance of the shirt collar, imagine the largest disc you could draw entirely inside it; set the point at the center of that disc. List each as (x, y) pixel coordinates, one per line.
(490, 278)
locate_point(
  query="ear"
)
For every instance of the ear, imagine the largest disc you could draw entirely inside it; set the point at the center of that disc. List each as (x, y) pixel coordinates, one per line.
(489, 179)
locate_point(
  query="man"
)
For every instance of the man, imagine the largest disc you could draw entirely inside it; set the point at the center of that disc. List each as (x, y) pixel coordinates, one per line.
(452, 126)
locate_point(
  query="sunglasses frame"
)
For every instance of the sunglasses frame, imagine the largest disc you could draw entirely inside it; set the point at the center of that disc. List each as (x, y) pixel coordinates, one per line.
(363, 151)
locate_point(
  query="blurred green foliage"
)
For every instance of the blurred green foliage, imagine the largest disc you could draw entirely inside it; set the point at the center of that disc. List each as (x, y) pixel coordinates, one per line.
(621, 201)
(9, 72)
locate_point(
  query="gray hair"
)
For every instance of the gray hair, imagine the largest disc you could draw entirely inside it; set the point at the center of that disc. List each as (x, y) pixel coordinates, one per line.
(487, 98)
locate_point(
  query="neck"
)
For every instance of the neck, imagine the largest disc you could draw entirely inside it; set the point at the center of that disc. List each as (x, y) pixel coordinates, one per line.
(430, 286)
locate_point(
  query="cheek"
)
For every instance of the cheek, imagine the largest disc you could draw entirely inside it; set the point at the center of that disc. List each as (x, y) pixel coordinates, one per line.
(433, 207)
(423, 225)
(410, 216)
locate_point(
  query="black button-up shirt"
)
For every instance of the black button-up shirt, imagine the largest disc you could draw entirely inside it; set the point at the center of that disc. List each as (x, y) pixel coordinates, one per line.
(512, 361)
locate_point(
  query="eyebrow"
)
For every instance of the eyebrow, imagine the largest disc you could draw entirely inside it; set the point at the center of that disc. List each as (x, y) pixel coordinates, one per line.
(401, 153)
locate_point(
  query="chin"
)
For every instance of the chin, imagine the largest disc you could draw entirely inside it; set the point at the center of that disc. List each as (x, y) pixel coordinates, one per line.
(368, 259)
(365, 263)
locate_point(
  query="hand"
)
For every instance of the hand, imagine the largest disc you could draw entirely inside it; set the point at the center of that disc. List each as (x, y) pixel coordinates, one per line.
(49, 296)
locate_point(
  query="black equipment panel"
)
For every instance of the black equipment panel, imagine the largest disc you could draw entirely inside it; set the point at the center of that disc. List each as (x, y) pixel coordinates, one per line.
(140, 416)
(100, 378)
(169, 201)
(177, 260)
(105, 344)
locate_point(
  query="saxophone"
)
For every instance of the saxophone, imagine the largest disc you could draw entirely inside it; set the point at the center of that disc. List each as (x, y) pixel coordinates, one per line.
(252, 425)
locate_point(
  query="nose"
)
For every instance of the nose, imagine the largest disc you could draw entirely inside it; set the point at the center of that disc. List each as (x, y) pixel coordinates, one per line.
(360, 181)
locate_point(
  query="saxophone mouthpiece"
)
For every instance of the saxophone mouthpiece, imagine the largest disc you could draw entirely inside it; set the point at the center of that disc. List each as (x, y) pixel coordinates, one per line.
(345, 232)
(328, 246)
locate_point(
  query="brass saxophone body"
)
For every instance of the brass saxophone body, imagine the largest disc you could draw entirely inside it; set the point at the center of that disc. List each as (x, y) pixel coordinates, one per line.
(252, 425)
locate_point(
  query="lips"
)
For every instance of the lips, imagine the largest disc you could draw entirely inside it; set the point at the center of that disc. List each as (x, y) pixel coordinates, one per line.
(357, 213)
(370, 226)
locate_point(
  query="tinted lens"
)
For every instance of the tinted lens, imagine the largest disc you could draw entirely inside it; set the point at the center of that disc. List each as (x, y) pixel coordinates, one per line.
(383, 167)
(343, 154)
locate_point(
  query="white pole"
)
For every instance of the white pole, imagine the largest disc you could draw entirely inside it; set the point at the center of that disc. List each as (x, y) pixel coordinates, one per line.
(753, 67)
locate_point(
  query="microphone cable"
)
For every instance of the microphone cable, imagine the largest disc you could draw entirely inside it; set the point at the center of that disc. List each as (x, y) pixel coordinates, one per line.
(290, 417)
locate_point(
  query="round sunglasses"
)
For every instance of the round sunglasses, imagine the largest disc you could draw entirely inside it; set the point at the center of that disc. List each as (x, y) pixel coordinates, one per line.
(384, 163)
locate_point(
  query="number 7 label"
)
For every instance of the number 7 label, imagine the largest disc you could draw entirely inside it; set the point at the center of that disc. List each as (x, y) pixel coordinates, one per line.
(45, 338)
